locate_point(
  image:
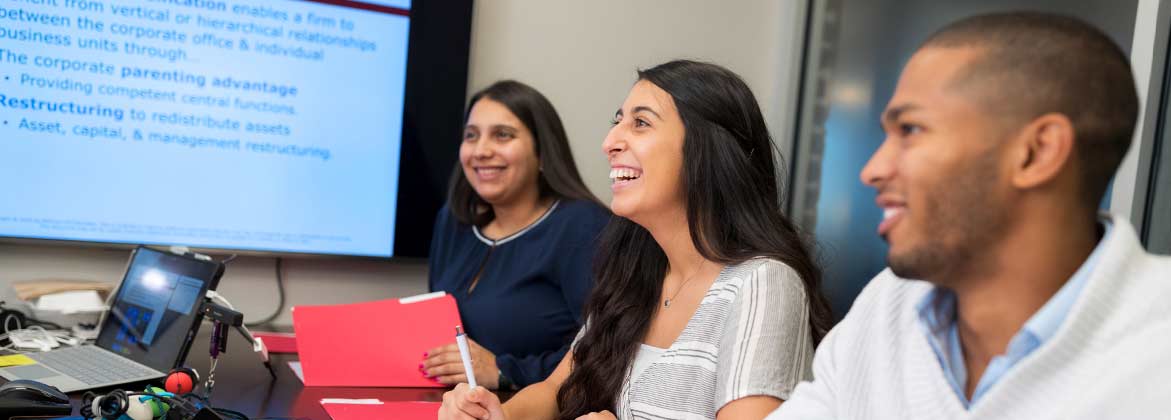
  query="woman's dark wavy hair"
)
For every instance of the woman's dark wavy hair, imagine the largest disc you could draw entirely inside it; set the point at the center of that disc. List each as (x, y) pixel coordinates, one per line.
(558, 177)
(731, 186)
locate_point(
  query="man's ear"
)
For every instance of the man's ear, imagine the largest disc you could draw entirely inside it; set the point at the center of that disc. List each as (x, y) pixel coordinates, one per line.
(1043, 149)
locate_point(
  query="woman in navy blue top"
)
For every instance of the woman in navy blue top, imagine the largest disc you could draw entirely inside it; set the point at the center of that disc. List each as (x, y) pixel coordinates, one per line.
(515, 242)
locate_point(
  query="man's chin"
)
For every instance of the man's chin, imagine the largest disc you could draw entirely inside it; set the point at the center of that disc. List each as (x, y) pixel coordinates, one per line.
(906, 267)
(903, 272)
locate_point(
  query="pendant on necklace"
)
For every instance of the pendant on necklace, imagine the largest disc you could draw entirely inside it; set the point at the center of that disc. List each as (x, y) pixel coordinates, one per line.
(667, 303)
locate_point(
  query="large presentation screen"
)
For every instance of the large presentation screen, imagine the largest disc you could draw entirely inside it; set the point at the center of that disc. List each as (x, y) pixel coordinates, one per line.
(267, 125)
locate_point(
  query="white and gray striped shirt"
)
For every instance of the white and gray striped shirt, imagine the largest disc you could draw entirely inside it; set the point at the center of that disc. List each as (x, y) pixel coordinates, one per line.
(750, 336)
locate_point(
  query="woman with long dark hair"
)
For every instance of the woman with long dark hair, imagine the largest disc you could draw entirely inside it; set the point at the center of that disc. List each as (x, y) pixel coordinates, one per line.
(514, 243)
(708, 301)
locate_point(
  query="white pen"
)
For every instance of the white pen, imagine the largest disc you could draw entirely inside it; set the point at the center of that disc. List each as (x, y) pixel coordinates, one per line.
(461, 340)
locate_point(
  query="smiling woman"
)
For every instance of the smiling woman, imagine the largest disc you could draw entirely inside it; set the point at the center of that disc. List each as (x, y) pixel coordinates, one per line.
(708, 302)
(518, 233)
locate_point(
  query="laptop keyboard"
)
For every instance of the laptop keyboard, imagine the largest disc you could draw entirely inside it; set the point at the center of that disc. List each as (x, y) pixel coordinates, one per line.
(92, 365)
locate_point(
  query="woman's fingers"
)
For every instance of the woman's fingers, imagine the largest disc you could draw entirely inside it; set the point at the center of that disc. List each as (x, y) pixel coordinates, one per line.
(441, 357)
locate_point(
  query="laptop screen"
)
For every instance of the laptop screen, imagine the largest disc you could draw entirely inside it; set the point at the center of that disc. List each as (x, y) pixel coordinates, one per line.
(155, 306)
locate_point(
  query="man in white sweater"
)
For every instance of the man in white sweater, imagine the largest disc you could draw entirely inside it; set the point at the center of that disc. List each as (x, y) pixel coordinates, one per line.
(1008, 296)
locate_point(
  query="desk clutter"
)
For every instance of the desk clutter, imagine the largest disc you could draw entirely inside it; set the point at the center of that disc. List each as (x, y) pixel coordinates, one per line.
(50, 314)
(147, 325)
(147, 330)
(61, 302)
(177, 401)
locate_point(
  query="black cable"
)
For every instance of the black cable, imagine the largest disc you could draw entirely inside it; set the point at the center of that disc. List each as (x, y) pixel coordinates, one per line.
(179, 403)
(46, 324)
(223, 412)
(280, 287)
(22, 321)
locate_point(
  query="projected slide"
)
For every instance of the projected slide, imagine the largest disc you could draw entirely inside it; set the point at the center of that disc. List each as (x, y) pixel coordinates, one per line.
(242, 124)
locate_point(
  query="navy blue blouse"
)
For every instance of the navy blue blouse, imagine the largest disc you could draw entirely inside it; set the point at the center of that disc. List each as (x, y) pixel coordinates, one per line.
(527, 306)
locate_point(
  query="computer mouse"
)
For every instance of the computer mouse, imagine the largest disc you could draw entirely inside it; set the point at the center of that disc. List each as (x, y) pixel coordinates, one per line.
(26, 390)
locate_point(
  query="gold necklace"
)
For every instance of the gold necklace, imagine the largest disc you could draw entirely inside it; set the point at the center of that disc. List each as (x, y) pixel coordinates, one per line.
(667, 302)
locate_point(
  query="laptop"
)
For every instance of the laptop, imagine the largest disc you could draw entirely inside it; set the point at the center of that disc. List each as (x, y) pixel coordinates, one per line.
(152, 320)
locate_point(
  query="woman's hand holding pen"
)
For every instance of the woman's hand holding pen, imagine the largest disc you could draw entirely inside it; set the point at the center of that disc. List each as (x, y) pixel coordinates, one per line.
(462, 403)
(443, 365)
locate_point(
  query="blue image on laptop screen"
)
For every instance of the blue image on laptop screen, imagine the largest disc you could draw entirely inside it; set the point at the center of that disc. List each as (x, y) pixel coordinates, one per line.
(155, 307)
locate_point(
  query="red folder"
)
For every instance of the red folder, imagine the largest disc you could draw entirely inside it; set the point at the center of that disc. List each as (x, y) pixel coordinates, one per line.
(387, 410)
(374, 344)
(277, 342)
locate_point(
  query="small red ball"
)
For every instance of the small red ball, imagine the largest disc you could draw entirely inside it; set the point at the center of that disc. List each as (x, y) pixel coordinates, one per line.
(179, 383)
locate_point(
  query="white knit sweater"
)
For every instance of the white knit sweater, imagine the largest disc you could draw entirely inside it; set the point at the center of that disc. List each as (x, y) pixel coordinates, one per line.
(1110, 359)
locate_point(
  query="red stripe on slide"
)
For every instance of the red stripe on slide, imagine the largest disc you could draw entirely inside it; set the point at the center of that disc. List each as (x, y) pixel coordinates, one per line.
(366, 6)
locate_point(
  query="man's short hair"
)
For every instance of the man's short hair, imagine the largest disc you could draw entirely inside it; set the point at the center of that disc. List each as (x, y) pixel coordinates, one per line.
(1035, 63)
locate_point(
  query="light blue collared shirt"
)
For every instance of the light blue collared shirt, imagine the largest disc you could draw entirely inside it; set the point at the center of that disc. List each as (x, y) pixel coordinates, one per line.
(937, 314)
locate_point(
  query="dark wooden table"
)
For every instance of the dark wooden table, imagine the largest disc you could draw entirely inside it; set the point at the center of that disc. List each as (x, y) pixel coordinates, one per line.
(243, 384)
